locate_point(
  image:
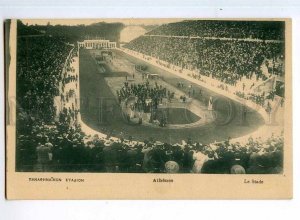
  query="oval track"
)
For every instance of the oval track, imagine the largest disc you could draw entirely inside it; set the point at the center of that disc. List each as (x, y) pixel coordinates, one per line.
(100, 110)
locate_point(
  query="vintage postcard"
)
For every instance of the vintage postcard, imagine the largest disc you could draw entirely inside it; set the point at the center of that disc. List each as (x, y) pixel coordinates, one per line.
(148, 108)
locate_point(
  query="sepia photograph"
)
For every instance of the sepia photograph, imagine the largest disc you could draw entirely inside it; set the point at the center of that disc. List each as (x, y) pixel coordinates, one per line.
(165, 98)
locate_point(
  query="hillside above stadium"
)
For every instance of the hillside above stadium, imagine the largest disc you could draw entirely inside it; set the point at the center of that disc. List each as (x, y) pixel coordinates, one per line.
(72, 34)
(264, 30)
(24, 30)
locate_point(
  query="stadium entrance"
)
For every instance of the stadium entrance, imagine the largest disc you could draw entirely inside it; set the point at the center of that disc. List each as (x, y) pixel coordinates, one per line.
(97, 44)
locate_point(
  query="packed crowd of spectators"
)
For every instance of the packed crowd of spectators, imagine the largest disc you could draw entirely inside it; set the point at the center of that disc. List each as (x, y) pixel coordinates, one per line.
(41, 61)
(39, 66)
(227, 61)
(264, 30)
(45, 142)
(68, 149)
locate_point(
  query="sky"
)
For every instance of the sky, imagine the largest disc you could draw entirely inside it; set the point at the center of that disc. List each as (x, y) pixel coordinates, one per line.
(125, 21)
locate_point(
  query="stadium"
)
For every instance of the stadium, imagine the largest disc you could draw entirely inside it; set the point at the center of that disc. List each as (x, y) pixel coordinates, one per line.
(194, 96)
